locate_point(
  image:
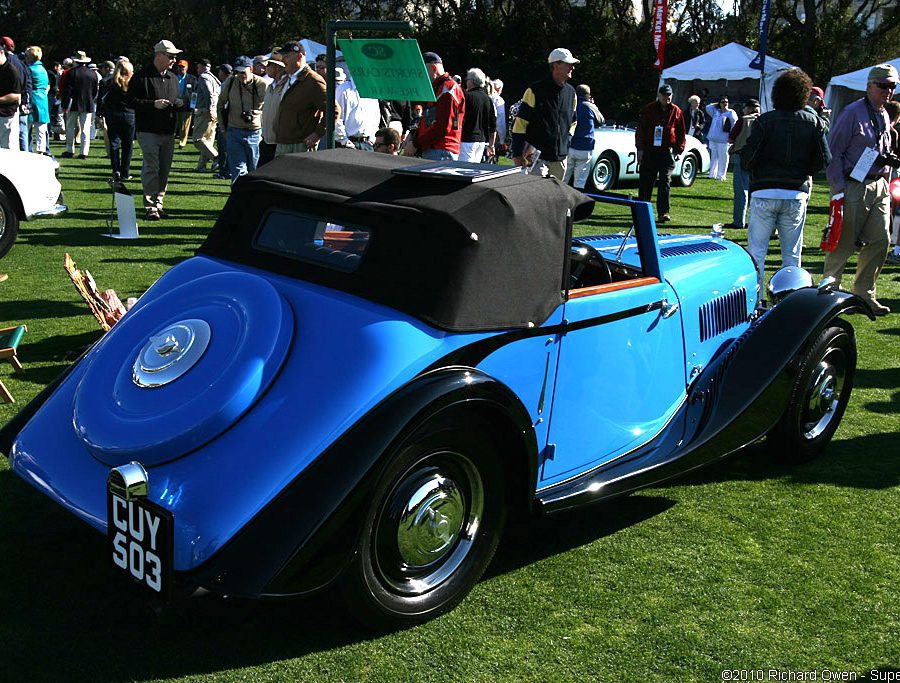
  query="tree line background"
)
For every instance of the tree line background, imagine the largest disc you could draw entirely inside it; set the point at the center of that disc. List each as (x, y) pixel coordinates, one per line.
(509, 39)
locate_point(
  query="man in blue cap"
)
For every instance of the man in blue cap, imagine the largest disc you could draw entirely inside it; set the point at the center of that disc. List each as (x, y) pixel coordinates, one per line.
(659, 138)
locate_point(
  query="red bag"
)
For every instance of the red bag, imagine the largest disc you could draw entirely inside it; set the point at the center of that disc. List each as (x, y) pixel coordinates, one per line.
(832, 234)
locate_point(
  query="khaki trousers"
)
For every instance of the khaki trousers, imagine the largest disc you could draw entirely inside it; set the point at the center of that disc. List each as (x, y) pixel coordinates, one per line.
(866, 219)
(183, 126)
(157, 151)
(204, 134)
(291, 148)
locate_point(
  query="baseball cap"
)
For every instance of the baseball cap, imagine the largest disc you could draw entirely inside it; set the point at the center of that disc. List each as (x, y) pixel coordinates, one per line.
(432, 58)
(224, 67)
(183, 62)
(884, 73)
(292, 46)
(242, 63)
(665, 89)
(204, 62)
(8, 43)
(752, 102)
(274, 60)
(561, 54)
(166, 46)
(818, 92)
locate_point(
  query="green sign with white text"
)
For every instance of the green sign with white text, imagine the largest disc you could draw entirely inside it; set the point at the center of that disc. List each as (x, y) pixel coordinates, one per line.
(387, 69)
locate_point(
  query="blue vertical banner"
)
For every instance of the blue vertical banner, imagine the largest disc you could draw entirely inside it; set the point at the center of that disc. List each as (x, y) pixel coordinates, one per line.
(759, 61)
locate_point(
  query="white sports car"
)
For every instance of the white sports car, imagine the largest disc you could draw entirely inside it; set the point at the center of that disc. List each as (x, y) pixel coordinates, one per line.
(615, 160)
(28, 188)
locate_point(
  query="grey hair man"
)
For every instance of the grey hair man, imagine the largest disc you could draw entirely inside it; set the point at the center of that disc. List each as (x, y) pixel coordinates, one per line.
(863, 179)
(479, 128)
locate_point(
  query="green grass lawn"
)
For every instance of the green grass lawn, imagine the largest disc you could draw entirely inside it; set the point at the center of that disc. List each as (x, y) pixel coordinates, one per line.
(744, 565)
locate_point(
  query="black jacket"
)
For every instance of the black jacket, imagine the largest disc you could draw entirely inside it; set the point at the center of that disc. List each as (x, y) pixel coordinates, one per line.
(480, 121)
(784, 149)
(81, 88)
(25, 74)
(147, 86)
(546, 118)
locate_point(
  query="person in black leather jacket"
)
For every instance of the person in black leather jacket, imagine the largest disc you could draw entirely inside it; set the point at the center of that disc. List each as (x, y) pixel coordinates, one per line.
(786, 146)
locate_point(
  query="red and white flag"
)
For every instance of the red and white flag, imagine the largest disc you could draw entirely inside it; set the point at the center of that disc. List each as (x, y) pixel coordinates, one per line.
(660, 17)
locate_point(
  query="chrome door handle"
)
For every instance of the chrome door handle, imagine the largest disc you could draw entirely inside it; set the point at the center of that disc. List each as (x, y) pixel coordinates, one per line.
(668, 310)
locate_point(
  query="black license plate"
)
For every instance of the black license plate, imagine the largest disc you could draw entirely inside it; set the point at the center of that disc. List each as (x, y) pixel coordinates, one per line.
(140, 535)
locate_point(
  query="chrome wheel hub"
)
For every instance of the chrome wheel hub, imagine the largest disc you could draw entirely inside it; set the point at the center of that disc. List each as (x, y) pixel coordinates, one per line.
(823, 397)
(429, 523)
(171, 352)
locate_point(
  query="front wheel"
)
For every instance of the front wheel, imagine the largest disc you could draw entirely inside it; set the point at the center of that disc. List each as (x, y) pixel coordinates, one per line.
(431, 529)
(9, 224)
(819, 397)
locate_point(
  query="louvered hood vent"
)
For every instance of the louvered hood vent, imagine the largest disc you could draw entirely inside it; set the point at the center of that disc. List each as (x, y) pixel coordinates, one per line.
(723, 313)
(696, 248)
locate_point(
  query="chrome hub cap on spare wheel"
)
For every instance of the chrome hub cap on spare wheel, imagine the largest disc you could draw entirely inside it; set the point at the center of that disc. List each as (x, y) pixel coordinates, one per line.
(171, 352)
(824, 394)
(428, 525)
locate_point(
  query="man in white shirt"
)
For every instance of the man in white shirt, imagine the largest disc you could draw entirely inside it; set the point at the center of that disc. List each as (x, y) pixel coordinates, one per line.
(359, 116)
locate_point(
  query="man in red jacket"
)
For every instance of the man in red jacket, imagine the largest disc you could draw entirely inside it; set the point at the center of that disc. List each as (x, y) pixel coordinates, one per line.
(659, 138)
(440, 130)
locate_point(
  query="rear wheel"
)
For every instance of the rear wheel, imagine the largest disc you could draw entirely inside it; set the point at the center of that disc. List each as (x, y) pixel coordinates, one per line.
(9, 224)
(431, 529)
(689, 167)
(819, 397)
(604, 173)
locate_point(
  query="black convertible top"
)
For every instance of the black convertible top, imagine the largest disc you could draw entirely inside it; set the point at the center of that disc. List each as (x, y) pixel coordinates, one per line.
(460, 256)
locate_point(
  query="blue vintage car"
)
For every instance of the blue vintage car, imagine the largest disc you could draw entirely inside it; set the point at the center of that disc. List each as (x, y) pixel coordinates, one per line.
(366, 370)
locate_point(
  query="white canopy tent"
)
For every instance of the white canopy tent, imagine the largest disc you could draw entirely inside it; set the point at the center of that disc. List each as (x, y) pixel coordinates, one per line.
(844, 89)
(724, 71)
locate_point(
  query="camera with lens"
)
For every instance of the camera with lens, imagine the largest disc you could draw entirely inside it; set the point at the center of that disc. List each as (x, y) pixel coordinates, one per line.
(247, 116)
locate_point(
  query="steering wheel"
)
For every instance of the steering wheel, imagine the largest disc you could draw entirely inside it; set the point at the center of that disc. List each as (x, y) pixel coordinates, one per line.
(587, 261)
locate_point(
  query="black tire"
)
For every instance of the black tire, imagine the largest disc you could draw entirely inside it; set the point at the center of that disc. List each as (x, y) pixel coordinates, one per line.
(690, 166)
(9, 224)
(604, 173)
(431, 529)
(819, 397)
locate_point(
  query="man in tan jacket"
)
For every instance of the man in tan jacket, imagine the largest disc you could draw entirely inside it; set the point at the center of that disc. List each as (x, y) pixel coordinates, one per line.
(301, 113)
(240, 114)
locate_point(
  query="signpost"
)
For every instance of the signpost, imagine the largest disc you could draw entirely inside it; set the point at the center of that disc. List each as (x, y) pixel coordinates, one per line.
(331, 29)
(387, 69)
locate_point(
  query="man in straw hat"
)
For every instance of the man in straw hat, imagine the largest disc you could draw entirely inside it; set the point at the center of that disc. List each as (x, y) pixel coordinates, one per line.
(79, 100)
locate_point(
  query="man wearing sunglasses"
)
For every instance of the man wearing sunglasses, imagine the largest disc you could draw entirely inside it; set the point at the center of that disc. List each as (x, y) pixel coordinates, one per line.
(860, 142)
(155, 96)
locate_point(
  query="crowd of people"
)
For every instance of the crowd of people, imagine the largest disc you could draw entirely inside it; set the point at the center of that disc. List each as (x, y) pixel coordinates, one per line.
(246, 113)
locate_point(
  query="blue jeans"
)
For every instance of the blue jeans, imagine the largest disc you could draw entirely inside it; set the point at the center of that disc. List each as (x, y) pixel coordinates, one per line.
(243, 151)
(23, 132)
(741, 184)
(439, 155)
(788, 216)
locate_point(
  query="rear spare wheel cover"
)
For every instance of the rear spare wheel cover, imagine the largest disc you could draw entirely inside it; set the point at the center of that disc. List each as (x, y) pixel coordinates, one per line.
(176, 373)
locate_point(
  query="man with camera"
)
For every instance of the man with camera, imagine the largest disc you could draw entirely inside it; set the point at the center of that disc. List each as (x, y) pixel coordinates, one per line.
(153, 92)
(240, 113)
(860, 144)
